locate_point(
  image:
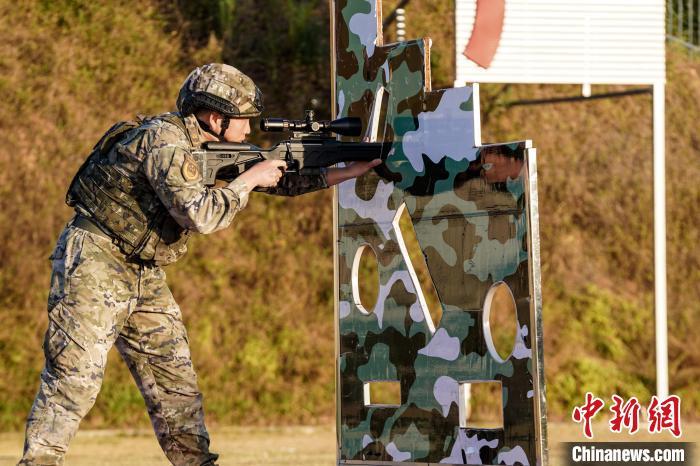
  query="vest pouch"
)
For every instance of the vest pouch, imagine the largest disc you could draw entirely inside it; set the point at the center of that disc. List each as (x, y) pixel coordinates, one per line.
(112, 190)
(165, 242)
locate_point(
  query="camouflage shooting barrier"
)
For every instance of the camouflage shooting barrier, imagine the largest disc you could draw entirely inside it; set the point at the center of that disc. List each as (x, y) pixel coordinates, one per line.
(473, 208)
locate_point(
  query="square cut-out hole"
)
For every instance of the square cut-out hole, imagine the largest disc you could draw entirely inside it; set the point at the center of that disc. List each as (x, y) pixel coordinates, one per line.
(481, 404)
(383, 393)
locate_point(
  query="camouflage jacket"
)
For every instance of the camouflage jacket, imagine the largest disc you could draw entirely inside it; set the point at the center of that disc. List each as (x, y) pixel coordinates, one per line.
(156, 176)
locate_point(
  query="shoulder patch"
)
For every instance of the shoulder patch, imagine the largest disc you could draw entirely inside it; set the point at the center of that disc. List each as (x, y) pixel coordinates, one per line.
(190, 171)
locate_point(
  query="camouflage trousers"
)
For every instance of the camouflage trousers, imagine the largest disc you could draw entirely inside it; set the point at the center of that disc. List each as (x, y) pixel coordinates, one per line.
(97, 300)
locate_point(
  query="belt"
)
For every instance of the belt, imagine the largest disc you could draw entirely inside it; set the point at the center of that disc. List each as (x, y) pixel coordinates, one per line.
(87, 224)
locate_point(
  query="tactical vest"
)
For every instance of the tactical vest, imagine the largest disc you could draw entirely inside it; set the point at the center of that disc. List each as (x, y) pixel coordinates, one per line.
(118, 197)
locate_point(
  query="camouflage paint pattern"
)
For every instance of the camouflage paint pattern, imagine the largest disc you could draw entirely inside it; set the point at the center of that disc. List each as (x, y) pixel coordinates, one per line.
(473, 208)
(98, 300)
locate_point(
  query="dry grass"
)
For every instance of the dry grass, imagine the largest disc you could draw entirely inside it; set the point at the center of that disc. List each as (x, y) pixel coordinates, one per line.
(307, 445)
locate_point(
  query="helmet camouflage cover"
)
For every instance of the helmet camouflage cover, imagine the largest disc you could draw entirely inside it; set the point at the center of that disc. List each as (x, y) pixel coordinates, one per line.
(221, 88)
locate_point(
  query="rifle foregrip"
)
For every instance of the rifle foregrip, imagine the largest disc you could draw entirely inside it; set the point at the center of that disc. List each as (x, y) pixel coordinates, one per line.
(347, 152)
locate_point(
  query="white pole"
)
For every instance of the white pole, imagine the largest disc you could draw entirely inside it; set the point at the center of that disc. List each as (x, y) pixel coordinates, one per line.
(659, 112)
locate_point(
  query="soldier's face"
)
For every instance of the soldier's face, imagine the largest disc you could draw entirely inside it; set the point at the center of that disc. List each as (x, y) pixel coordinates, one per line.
(237, 130)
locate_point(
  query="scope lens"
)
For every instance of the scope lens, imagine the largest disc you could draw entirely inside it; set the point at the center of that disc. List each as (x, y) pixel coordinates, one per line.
(348, 126)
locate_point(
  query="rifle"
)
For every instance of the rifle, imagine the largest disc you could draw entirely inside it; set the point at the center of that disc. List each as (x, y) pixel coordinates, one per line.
(311, 147)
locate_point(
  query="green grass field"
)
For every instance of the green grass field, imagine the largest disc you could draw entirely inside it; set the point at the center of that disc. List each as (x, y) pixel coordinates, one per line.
(304, 445)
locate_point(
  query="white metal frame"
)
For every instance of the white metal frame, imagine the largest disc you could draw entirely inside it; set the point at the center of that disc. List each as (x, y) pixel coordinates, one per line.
(646, 22)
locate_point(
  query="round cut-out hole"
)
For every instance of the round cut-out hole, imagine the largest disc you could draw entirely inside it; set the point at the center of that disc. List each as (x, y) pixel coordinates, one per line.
(365, 279)
(500, 321)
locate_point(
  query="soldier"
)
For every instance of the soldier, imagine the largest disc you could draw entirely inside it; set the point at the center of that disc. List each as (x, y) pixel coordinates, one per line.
(138, 197)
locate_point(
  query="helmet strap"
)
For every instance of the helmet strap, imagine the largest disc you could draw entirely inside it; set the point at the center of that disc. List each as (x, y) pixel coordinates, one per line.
(224, 126)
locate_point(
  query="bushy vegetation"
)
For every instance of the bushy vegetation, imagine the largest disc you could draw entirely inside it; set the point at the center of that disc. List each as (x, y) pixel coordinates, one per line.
(257, 298)
(73, 69)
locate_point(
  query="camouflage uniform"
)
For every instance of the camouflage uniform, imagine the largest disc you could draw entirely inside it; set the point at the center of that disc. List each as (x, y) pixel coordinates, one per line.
(99, 297)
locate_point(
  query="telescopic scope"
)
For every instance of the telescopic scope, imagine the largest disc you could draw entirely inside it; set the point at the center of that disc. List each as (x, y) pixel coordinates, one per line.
(349, 126)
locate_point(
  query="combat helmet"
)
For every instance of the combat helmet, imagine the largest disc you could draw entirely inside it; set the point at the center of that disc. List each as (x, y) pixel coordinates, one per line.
(221, 88)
